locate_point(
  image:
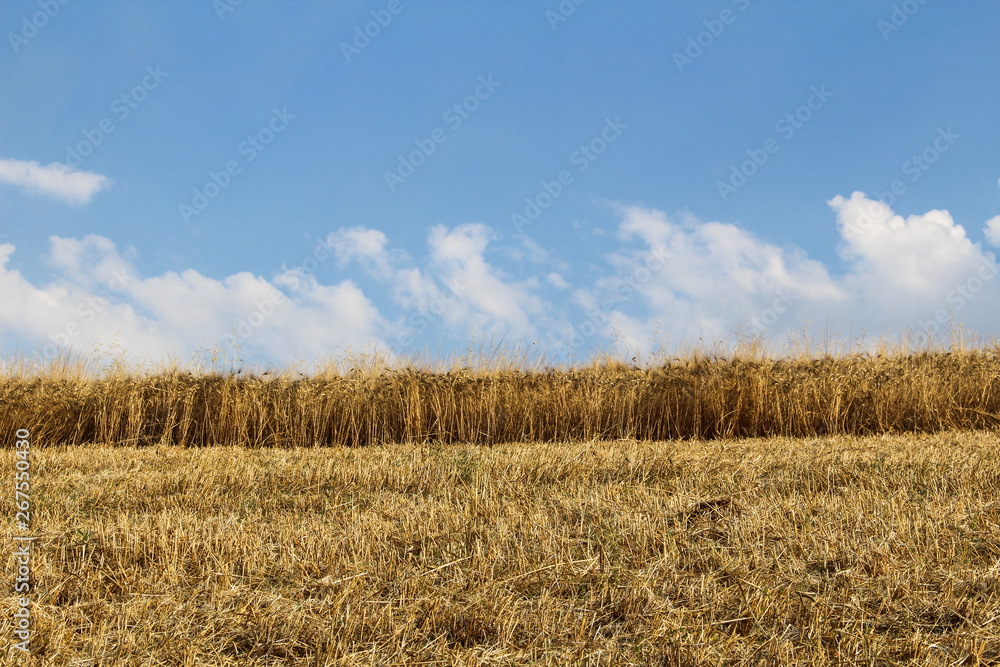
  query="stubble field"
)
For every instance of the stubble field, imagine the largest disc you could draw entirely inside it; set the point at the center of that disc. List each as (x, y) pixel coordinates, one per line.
(831, 550)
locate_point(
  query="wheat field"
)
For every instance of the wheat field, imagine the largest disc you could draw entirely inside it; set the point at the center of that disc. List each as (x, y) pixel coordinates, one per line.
(368, 401)
(830, 511)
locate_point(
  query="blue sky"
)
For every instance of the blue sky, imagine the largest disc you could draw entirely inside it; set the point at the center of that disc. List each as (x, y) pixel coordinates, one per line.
(179, 176)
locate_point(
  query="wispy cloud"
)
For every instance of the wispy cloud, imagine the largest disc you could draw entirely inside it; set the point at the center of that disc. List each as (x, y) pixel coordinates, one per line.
(54, 179)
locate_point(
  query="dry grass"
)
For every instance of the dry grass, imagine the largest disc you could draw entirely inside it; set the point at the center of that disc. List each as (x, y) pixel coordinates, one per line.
(820, 551)
(697, 396)
(515, 514)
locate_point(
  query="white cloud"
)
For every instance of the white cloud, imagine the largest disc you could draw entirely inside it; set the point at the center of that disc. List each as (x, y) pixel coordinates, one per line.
(93, 259)
(915, 272)
(661, 281)
(95, 296)
(557, 281)
(320, 320)
(700, 279)
(992, 230)
(55, 179)
(530, 251)
(490, 303)
(906, 270)
(367, 246)
(909, 255)
(457, 287)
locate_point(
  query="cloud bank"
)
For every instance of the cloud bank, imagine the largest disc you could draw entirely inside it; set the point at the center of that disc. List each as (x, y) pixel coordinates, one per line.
(665, 282)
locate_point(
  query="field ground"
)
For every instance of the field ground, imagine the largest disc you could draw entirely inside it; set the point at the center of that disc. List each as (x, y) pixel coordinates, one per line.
(833, 550)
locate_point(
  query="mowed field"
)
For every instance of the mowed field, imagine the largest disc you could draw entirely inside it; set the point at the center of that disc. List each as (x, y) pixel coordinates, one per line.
(823, 550)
